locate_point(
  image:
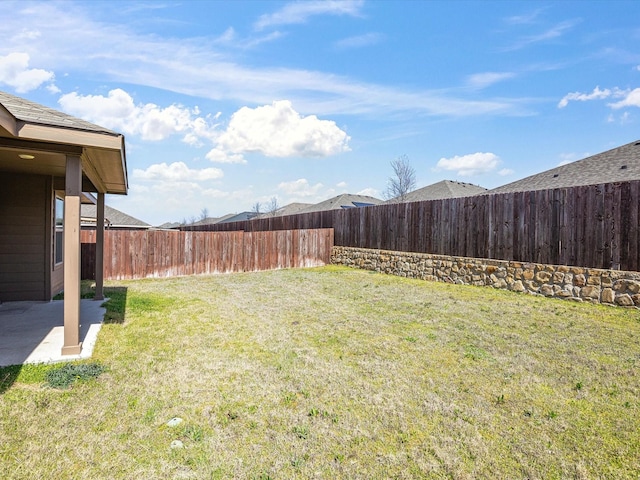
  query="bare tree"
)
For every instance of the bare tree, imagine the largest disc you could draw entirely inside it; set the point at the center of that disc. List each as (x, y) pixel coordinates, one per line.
(403, 180)
(204, 213)
(257, 208)
(272, 207)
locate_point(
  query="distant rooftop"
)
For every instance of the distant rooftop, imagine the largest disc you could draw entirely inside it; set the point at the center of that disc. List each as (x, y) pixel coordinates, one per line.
(616, 165)
(237, 217)
(115, 218)
(170, 225)
(343, 201)
(290, 209)
(441, 190)
(210, 220)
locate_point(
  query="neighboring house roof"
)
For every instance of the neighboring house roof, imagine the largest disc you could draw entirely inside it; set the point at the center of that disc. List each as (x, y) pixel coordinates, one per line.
(209, 220)
(238, 217)
(48, 136)
(616, 165)
(343, 201)
(290, 209)
(112, 217)
(229, 217)
(441, 190)
(170, 225)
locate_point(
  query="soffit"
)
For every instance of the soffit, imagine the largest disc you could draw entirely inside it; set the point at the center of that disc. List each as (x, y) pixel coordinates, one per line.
(102, 151)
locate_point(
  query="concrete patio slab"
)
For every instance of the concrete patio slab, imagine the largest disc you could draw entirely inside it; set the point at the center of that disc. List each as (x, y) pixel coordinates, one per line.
(33, 332)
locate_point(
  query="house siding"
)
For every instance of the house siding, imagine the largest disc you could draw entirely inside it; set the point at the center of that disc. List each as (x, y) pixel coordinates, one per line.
(24, 209)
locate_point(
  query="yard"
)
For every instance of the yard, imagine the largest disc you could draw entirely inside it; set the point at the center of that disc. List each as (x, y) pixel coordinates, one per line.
(336, 373)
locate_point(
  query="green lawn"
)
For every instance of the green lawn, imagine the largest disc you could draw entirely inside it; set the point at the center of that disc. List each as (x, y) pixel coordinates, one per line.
(336, 373)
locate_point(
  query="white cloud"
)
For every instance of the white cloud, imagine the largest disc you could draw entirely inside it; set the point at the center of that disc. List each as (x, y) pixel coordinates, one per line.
(231, 39)
(277, 130)
(341, 185)
(469, 165)
(177, 172)
(229, 36)
(567, 158)
(631, 99)
(26, 35)
(623, 119)
(506, 171)
(555, 32)
(482, 80)
(300, 188)
(15, 72)
(119, 112)
(118, 53)
(527, 18)
(597, 94)
(299, 12)
(359, 41)
(370, 192)
(219, 155)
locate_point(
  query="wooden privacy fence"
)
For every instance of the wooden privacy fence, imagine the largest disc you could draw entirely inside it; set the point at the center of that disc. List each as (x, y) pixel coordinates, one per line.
(131, 254)
(590, 226)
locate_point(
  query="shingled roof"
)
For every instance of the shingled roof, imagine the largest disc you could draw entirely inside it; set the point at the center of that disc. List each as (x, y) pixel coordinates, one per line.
(48, 136)
(32, 112)
(342, 201)
(616, 165)
(115, 218)
(290, 209)
(441, 190)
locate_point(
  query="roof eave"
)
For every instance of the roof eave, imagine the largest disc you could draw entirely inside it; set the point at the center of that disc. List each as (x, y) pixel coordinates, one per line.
(7, 122)
(104, 158)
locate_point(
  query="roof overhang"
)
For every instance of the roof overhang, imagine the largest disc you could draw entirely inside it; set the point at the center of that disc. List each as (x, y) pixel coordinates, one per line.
(102, 154)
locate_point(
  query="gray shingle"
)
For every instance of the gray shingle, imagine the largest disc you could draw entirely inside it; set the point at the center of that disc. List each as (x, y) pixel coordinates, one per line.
(32, 112)
(290, 209)
(616, 165)
(114, 217)
(342, 201)
(441, 190)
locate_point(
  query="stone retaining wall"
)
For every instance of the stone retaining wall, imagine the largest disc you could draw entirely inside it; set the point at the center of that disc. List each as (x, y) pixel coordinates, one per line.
(612, 287)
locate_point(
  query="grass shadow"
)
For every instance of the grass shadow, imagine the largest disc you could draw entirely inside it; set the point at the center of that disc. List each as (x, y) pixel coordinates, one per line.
(8, 376)
(116, 305)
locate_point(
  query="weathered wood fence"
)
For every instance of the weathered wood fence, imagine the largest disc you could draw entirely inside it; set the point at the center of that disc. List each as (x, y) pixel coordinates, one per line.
(131, 254)
(590, 226)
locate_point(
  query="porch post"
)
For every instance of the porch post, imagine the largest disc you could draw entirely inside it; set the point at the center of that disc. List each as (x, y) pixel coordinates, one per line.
(100, 248)
(73, 192)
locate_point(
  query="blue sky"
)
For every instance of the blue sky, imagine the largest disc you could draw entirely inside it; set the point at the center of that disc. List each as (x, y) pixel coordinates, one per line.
(224, 104)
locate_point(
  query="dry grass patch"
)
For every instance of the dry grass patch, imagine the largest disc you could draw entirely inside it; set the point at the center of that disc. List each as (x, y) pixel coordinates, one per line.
(337, 373)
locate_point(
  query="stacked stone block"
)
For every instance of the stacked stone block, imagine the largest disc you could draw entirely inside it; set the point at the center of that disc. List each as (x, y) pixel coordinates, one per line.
(612, 287)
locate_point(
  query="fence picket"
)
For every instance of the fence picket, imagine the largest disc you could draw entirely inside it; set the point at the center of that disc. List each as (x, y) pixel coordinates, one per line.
(591, 226)
(131, 254)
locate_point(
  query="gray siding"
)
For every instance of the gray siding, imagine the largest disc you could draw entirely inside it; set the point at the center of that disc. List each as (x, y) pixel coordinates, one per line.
(24, 201)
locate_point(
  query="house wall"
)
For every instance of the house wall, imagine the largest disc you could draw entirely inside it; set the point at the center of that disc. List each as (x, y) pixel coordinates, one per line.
(25, 201)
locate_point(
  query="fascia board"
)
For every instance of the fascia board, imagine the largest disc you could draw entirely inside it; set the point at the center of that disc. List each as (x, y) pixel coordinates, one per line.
(48, 133)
